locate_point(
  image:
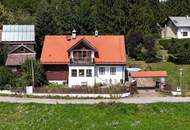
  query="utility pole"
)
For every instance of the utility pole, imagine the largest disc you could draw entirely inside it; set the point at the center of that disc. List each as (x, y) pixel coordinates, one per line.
(181, 77)
(32, 64)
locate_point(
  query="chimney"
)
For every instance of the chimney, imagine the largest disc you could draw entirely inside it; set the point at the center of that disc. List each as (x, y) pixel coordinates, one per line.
(68, 38)
(74, 34)
(187, 16)
(96, 33)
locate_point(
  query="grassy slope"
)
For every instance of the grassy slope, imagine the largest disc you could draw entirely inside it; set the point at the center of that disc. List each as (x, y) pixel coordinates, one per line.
(173, 73)
(161, 116)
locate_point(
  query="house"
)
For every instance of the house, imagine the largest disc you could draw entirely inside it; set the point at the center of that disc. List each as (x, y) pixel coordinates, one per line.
(177, 27)
(20, 40)
(84, 60)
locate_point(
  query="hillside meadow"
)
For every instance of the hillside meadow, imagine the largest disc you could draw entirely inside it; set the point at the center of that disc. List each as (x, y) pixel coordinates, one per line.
(174, 73)
(159, 116)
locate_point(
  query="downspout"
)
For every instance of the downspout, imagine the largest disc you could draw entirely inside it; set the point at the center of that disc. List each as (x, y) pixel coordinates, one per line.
(94, 74)
(123, 74)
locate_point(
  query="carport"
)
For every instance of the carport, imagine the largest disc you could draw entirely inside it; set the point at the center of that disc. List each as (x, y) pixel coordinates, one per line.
(144, 79)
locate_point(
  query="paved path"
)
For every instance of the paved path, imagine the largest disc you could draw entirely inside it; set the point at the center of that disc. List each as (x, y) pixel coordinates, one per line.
(135, 100)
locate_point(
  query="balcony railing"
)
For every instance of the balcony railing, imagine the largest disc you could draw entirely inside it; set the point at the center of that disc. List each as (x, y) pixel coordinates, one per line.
(82, 60)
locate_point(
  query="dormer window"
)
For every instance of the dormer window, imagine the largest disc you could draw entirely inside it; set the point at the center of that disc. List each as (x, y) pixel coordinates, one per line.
(82, 53)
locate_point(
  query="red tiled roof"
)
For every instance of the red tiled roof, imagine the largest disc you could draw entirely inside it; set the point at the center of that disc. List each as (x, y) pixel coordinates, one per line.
(148, 74)
(111, 48)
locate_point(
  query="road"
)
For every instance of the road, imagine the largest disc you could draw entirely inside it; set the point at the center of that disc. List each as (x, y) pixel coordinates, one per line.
(135, 100)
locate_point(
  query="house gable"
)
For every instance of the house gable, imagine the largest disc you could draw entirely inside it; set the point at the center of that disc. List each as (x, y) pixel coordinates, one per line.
(21, 49)
(83, 44)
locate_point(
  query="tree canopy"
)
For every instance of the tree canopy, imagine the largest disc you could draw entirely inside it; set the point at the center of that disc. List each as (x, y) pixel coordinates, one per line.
(86, 16)
(6, 17)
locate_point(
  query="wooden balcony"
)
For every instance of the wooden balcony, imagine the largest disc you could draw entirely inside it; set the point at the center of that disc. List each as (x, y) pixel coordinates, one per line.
(82, 60)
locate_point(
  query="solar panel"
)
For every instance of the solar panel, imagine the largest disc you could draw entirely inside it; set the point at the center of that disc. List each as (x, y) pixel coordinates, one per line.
(18, 33)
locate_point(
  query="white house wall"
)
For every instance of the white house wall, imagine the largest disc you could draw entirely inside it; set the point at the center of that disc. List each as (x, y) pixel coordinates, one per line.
(107, 77)
(184, 29)
(73, 81)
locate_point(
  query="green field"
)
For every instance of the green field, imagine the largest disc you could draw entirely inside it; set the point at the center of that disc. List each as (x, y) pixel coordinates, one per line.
(159, 116)
(171, 68)
(173, 73)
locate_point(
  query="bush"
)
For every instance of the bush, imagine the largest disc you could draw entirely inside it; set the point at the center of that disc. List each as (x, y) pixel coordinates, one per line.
(142, 47)
(179, 50)
(26, 75)
(6, 77)
(55, 85)
(3, 54)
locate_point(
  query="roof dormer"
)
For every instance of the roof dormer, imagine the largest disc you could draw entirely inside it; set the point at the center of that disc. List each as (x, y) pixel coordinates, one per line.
(83, 52)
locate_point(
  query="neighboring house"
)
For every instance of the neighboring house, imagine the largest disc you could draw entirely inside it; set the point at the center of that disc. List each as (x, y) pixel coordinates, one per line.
(177, 27)
(84, 60)
(20, 40)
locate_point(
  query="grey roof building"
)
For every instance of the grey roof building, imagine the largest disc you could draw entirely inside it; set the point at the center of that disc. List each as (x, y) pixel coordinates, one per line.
(180, 21)
(176, 27)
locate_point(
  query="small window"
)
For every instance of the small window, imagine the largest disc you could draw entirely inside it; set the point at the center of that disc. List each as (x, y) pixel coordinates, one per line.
(88, 73)
(14, 70)
(102, 70)
(81, 73)
(184, 33)
(22, 49)
(74, 73)
(112, 70)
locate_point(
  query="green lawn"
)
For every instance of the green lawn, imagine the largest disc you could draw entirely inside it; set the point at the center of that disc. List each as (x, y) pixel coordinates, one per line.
(160, 116)
(173, 73)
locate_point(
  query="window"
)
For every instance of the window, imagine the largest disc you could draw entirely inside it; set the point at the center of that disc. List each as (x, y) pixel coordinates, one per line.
(74, 73)
(184, 33)
(88, 73)
(102, 70)
(14, 70)
(21, 49)
(81, 73)
(112, 70)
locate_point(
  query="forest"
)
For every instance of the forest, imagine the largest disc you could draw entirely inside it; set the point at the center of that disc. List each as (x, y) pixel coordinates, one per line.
(140, 20)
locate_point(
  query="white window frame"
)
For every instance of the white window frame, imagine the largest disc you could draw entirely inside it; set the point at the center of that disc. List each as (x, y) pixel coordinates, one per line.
(83, 73)
(102, 72)
(185, 33)
(87, 73)
(72, 72)
(111, 71)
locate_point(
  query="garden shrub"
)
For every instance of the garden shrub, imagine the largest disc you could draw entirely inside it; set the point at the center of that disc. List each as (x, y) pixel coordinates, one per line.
(3, 54)
(179, 50)
(6, 77)
(142, 47)
(26, 75)
(55, 85)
